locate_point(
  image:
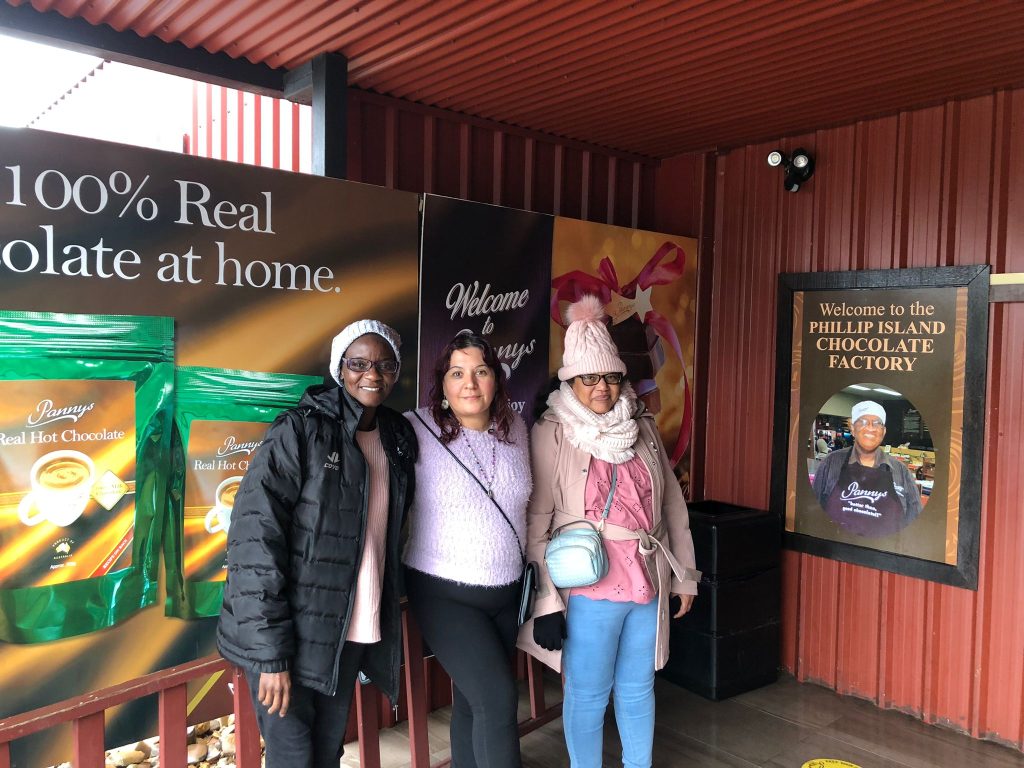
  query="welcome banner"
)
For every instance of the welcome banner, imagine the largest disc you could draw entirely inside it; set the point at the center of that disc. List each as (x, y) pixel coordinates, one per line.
(487, 269)
(880, 385)
(256, 268)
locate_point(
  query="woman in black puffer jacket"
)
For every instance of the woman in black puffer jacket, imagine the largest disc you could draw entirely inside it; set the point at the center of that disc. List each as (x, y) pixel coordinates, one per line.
(313, 570)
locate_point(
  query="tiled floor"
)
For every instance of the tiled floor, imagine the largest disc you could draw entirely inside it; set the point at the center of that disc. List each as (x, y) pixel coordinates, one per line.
(780, 726)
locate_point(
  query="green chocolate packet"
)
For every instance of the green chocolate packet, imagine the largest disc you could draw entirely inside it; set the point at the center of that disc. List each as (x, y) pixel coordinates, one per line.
(219, 423)
(85, 415)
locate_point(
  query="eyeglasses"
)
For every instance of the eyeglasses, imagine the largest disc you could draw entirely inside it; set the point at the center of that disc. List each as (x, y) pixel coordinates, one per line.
(872, 423)
(361, 365)
(591, 379)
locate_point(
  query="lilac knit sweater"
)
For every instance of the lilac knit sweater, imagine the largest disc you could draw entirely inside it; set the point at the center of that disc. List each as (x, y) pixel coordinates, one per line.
(455, 531)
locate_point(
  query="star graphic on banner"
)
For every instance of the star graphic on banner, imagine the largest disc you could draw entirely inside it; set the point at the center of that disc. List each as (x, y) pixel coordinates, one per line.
(620, 308)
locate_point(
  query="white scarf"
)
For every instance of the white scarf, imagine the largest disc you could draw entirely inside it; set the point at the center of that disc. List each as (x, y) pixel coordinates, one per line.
(606, 436)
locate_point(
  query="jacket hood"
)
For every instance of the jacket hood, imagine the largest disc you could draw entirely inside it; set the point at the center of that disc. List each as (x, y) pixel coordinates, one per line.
(336, 403)
(323, 397)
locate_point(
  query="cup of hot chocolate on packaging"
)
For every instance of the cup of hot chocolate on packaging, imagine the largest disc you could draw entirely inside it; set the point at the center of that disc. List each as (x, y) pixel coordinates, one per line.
(61, 484)
(219, 517)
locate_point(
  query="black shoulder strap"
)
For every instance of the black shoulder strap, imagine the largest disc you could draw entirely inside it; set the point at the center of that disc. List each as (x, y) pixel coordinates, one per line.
(522, 552)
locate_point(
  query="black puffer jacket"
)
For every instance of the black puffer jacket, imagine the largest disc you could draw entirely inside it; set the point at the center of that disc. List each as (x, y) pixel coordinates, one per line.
(296, 539)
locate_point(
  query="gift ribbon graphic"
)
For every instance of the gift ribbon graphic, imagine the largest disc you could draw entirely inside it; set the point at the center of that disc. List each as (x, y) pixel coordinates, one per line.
(665, 266)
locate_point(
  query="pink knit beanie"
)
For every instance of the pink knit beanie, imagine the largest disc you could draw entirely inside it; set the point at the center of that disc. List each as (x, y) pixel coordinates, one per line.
(588, 345)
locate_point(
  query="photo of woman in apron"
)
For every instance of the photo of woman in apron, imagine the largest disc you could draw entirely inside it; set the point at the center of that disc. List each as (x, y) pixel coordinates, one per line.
(862, 488)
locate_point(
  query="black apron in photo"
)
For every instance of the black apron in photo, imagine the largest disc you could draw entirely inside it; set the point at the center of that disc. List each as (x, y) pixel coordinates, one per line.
(864, 501)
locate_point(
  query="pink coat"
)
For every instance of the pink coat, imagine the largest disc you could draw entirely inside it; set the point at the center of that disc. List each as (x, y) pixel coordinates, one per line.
(559, 481)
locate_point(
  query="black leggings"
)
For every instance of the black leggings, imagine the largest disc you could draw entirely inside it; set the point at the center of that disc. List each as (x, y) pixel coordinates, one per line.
(472, 632)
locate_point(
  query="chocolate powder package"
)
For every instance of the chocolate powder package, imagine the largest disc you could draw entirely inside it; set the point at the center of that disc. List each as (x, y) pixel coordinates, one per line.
(85, 410)
(219, 422)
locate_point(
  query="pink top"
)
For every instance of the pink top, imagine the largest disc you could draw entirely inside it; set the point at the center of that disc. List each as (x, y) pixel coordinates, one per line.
(365, 624)
(627, 579)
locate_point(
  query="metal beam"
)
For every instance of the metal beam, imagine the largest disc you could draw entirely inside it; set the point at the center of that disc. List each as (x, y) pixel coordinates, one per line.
(1006, 286)
(151, 52)
(330, 115)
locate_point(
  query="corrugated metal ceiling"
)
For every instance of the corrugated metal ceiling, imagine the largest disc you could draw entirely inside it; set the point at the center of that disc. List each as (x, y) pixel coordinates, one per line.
(653, 77)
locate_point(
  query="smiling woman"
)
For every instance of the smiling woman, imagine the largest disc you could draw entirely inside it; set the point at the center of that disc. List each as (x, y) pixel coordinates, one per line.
(312, 591)
(600, 464)
(368, 371)
(465, 555)
(863, 489)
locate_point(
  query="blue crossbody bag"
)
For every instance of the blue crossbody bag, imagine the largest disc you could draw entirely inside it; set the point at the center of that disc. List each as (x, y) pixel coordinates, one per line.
(575, 556)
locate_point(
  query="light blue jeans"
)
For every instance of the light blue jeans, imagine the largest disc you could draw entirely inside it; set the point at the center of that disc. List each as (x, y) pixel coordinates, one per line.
(610, 647)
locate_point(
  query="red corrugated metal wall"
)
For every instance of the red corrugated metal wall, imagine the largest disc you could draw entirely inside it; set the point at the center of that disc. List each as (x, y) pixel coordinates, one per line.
(399, 144)
(932, 187)
(402, 145)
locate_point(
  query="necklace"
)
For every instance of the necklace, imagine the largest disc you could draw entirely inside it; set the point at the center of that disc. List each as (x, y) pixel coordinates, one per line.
(488, 482)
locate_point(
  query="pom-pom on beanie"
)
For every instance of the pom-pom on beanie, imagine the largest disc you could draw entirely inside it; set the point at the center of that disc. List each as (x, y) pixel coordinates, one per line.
(353, 331)
(588, 345)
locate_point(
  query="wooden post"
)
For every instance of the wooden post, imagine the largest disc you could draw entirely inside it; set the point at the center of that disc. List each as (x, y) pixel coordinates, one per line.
(416, 690)
(368, 725)
(88, 741)
(535, 679)
(171, 724)
(247, 730)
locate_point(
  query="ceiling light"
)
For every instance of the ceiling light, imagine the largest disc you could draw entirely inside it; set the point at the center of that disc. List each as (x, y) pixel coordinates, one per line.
(798, 168)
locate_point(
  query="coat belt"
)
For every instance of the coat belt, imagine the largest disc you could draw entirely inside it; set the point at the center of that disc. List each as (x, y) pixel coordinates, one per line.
(649, 542)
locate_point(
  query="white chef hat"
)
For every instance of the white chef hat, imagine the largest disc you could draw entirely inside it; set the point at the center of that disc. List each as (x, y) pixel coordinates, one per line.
(867, 408)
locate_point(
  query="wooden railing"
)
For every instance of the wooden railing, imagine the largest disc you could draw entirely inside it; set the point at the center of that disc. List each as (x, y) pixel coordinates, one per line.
(86, 713)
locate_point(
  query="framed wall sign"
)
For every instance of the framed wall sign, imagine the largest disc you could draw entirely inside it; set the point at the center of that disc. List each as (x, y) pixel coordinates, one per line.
(880, 418)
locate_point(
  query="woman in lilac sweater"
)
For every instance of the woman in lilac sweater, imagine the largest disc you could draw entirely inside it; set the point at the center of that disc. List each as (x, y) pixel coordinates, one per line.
(464, 556)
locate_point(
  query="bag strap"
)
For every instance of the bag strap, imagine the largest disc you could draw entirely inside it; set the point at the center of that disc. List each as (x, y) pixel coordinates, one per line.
(522, 550)
(611, 495)
(599, 526)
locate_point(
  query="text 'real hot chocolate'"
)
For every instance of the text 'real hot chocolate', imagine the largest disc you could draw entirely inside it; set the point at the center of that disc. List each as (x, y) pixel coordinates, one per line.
(219, 423)
(84, 432)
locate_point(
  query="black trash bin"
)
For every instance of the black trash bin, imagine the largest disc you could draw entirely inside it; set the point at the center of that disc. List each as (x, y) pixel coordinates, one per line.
(729, 641)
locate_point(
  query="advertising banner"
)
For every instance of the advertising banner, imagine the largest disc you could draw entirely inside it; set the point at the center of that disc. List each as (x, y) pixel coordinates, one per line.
(254, 270)
(487, 269)
(220, 417)
(83, 458)
(648, 283)
(880, 462)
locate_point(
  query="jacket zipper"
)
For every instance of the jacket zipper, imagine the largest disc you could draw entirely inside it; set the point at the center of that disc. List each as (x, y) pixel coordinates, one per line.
(364, 513)
(396, 661)
(393, 480)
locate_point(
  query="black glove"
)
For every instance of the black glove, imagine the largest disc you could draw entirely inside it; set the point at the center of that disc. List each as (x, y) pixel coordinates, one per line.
(549, 631)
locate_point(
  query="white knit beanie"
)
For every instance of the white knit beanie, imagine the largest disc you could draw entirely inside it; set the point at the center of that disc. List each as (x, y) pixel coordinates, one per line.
(353, 331)
(588, 345)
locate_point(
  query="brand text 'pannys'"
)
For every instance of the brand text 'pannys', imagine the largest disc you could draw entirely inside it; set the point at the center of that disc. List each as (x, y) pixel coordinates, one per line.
(46, 413)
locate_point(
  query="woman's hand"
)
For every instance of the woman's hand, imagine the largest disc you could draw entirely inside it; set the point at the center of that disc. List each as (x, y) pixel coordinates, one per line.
(275, 692)
(686, 603)
(549, 631)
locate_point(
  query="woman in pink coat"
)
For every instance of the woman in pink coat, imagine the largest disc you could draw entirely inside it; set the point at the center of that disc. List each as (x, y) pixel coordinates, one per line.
(595, 454)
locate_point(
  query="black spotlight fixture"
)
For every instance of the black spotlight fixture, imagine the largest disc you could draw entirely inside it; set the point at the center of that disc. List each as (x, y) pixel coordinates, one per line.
(797, 169)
